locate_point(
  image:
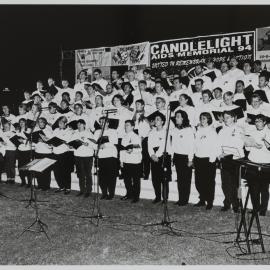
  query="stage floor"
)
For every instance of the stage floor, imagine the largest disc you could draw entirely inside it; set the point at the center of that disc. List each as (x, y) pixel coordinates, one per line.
(120, 239)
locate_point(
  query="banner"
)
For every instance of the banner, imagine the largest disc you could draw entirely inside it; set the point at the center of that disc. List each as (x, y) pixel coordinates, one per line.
(263, 44)
(129, 55)
(87, 59)
(173, 55)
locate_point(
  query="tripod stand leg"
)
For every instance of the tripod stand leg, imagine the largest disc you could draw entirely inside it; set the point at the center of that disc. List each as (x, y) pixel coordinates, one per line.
(243, 222)
(43, 226)
(27, 228)
(259, 231)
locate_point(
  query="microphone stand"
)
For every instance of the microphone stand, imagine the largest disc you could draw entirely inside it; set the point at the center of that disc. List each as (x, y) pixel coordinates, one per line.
(96, 207)
(165, 222)
(33, 194)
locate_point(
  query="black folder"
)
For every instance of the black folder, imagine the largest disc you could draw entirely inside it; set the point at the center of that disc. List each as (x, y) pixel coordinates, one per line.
(55, 141)
(248, 92)
(174, 105)
(73, 124)
(55, 124)
(241, 103)
(75, 144)
(35, 136)
(211, 75)
(217, 114)
(15, 140)
(103, 139)
(252, 118)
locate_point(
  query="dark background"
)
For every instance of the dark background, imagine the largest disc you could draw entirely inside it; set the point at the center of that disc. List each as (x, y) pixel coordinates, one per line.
(32, 36)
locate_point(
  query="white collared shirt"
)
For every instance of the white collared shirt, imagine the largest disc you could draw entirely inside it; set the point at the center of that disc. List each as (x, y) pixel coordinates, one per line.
(206, 143)
(135, 157)
(109, 149)
(183, 142)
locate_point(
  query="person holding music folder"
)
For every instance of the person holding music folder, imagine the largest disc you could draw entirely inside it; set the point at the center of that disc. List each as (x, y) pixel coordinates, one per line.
(231, 145)
(24, 151)
(142, 128)
(42, 150)
(10, 156)
(107, 159)
(205, 155)
(61, 152)
(82, 141)
(183, 152)
(22, 114)
(161, 175)
(52, 115)
(130, 160)
(259, 153)
(77, 115)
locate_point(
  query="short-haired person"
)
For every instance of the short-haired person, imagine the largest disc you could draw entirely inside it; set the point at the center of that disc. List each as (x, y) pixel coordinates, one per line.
(24, 152)
(183, 152)
(230, 138)
(224, 81)
(84, 158)
(107, 160)
(156, 147)
(43, 150)
(142, 128)
(130, 160)
(206, 152)
(259, 152)
(64, 165)
(217, 100)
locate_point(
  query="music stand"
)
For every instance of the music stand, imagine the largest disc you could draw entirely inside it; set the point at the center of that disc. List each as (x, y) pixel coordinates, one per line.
(37, 165)
(254, 214)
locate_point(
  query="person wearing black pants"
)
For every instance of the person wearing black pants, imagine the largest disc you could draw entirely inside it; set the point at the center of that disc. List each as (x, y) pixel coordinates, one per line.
(206, 152)
(142, 128)
(259, 152)
(10, 153)
(130, 160)
(42, 150)
(2, 154)
(183, 149)
(156, 143)
(64, 165)
(24, 153)
(145, 159)
(230, 136)
(84, 157)
(107, 160)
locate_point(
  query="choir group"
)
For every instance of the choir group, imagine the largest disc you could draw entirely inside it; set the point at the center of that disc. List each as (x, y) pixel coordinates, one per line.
(187, 121)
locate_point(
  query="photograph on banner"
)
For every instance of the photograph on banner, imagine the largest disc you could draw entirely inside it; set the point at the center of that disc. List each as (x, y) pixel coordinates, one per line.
(88, 58)
(105, 71)
(263, 43)
(174, 55)
(133, 54)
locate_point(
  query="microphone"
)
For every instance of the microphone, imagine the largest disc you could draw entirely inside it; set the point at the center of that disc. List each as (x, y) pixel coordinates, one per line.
(110, 111)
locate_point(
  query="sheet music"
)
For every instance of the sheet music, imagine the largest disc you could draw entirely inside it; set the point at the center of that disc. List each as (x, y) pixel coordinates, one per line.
(227, 150)
(42, 165)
